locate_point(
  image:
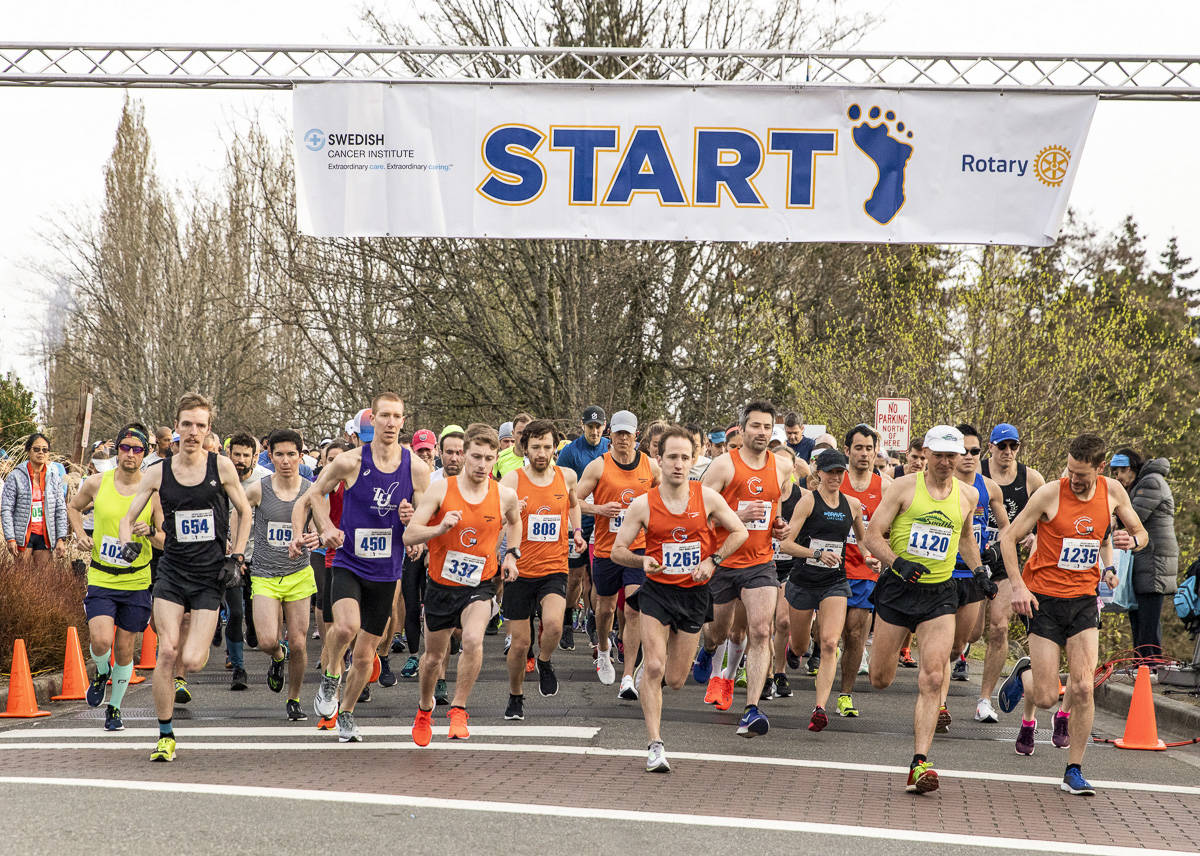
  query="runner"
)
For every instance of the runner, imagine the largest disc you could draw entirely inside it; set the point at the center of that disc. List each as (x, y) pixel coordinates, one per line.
(242, 451)
(461, 520)
(675, 519)
(613, 481)
(549, 521)
(118, 592)
(915, 534)
(1017, 483)
(280, 584)
(778, 686)
(513, 457)
(816, 538)
(195, 489)
(751, 480)
(1057, 591)
(382, 480)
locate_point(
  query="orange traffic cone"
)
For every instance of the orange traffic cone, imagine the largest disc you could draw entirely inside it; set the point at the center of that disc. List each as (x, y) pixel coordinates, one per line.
(135, 678)
(376, 668)
(1141, 728)
(22, 700)
(75, 679)
(149, 649)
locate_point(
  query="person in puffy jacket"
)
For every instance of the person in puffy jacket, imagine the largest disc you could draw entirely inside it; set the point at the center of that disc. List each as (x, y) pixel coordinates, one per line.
(1156, 568)
(33, 508)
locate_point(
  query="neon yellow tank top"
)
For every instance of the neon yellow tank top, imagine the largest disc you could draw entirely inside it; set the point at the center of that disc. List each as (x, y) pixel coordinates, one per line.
(108, 509)
(927, 531)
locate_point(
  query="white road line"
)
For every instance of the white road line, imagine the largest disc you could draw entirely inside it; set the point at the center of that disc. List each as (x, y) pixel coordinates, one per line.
(328, 742)
(564, 732)
(607, 814)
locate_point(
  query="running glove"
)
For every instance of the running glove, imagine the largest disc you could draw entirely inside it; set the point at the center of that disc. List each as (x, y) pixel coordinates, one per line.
(231, 570)
(908, 570)
(992, 559)
(986, 584)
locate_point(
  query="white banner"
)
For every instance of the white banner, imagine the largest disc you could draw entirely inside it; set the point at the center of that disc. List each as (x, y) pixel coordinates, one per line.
(675, 163)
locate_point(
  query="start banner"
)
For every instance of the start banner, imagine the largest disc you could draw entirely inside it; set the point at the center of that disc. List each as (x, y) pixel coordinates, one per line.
(661, 162)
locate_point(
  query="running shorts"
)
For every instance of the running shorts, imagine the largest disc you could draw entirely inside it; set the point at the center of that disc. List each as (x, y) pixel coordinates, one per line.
(728, 583)
(608, 577)
(129, 610)
(294, 586)
(684, 609)
(374, 598)
(803, 598)
(1060, 618)
(444, 605)
(910, 604)
(522, 595)
(860, 594)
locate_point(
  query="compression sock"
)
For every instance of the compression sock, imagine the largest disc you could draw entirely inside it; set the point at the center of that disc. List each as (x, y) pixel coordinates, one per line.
(165, 729)
(718, 657)
(120, 683)
(736, 650)
(101, 660)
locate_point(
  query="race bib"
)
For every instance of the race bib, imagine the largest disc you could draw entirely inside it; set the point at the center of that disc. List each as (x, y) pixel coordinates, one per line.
(110, 551)
(463, 568)
(373, 543)
(680, 559)
(758, 523)
(36, 510)
(194, 526)
(992, 534)
(850, 538)
(929, 542)
(543, 527)
(1079, 554)
(977, 531)
(614, 523)
(818, 544)
(779, 556)
(279, 534)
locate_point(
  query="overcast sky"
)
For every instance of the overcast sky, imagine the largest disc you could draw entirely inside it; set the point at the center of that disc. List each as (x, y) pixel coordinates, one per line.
(1140, 157)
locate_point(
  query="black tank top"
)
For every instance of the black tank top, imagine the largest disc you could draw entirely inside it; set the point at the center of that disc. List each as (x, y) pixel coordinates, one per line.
(825, 527)
(195, 519)
(783, 562)
(1016, 493)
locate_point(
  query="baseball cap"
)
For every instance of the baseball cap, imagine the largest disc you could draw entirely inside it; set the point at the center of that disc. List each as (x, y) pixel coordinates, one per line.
(832, 459)
(945, 438)
(1003, 432)
(623, 420)
(716, 436)
(506, 431)
(778, 434)
(593, 413)
(423, 439)
(175, 437)
(363, 424)
(451, 429)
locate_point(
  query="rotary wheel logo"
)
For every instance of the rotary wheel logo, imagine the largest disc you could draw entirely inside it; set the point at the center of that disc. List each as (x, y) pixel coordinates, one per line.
(1051, 165)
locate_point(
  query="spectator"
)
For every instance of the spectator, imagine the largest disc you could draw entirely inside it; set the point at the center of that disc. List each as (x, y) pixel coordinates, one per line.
(793, 424)
(33, 509)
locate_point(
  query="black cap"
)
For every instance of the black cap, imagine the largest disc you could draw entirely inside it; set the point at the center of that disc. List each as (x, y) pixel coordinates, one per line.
(593, 413)
(831, 459)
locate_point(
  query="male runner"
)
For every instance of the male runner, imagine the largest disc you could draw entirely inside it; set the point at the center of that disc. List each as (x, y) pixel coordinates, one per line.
(281, 584)
(381, 480)
(118, 592)
(549, 521)
(238, 625)
(751, 480)
(1057, 591)
(195, 489)
(461, 519)
(1017, 483)
(915, 534)
(676, 519)
(613, 481)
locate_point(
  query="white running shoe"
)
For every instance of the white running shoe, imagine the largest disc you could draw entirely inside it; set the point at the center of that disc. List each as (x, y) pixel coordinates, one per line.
(326, 701)
(656, 759)
(984, 712)
(864, 666)
(628, 691)
(604, 669)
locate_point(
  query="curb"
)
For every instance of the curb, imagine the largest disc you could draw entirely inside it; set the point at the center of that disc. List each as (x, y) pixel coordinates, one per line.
(44, 686)
(1176, 717)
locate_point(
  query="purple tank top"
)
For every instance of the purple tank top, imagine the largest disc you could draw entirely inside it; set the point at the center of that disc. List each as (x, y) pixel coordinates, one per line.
(373, 548)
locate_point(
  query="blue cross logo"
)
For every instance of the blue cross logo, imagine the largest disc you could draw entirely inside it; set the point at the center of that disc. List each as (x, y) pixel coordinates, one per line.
(314, 139)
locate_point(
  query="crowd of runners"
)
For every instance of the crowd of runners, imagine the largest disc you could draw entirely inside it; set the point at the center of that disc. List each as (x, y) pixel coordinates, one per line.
(729, 557)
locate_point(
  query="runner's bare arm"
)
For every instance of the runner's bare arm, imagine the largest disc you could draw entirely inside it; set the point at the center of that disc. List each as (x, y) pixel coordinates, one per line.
(799, 515)
(587, 484)
(718, 474)
(1033, 481)
(151, 480)
(860, 529)
(420, 481)
(1133, 536)
(896, 497)
(253, 497)
(418, 530)
(233, 489)
(657, 471)
(968, 547)
(996, 504)
(574, 515)
(511, 509)
(159, 539)
(1046, 497)
(315, 502)
(637, 515)
(81, 502)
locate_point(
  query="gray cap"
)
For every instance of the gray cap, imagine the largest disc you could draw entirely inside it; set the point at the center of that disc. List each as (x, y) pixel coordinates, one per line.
(506, 431)
(623, 420)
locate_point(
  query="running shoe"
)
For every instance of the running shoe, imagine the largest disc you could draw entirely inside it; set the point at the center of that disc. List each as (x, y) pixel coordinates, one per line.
(726, 700)
(387, 678)
(713, 694)
(182, 694)
(507, 644)
(604, 669)
(819, 719)
(325, 703)
(907, 661)
(547, 680)
(96, 689)
(376, 668)
(656, 758)
(793, 660)
(516, 707)
(567, 640)
(455, 645)
(959, 672)
(441, 692)
(294, 712)
(458, 723)
(347, 728)
(165, 749)
(327, 724)
(411, 667)
(943, 721)
(112, 719)
(1011, 691)
(1074, 783)
(493, 626)
(740, 680)
(1025, 744)
(397, 643)
(239, 680)
(529, 665)
(422, 729)
(984, 712)
(768, 692)
(922, 778)
(753, 722)
(1062, 735)
(274, 675)
(845, 705)
(864, 665)
(365, 695)
(702, 666)
(316, 634)
(783, 689)
(628, 690)
(620, 646)
(814, 665)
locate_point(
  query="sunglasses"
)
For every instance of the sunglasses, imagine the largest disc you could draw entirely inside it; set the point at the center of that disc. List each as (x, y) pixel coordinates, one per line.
(42, 449)
(974, 452)
(137, 450)
(1008, 446)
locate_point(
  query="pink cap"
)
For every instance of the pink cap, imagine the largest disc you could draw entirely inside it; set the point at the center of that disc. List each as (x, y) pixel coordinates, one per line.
(424, 439)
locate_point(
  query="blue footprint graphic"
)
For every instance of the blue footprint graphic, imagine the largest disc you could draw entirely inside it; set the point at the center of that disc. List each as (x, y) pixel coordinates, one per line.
(890, 156)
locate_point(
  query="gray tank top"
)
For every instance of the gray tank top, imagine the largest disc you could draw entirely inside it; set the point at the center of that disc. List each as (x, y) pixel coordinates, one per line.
(273, 532)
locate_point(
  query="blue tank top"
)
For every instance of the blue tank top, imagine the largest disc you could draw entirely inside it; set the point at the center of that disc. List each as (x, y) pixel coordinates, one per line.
(373, 548)
(979, 527)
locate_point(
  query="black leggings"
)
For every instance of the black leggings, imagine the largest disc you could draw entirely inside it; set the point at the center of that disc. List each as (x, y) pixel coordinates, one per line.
(412, 588)
(237, 614)
(1146, 623)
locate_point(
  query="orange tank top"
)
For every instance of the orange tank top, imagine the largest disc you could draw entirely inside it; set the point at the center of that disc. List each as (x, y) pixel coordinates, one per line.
(544, 532)
(751, 485)
(856, 567)
(618, 484)
(1066, 562)
(678, 542)
(466, 555)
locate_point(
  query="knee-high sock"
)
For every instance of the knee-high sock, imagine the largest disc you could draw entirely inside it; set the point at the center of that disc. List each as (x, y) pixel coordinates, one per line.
(736, 650)
(101, 660)
(120, 683)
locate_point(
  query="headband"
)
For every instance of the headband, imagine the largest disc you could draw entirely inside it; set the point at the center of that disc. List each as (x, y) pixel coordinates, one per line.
(133, 432)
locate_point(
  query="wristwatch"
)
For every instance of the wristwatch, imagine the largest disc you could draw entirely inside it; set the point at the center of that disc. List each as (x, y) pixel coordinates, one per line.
(716, 560)
(817, 553)
(514, 551)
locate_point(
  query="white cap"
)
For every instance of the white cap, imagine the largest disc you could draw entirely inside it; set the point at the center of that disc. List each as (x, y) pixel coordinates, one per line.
(623, 420)
(778, 434)
(945, 438)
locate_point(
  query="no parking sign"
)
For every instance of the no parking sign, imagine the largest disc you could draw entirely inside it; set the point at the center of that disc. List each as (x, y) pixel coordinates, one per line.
(893, 421)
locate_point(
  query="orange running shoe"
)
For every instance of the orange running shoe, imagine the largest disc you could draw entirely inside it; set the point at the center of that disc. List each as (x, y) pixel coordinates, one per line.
(713, 694)
(726, 700)
(422, 730)
(529, 665)
(375, 669)
(458, 723)
(327, 724)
